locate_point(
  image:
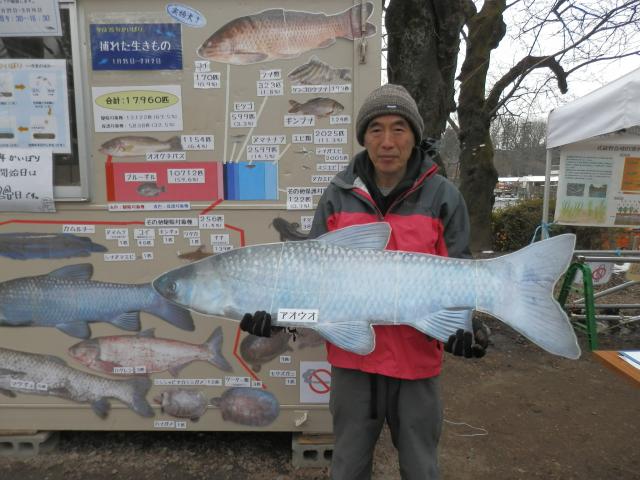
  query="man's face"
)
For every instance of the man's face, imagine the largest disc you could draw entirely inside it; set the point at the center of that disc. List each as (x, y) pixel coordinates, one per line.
(389, 141)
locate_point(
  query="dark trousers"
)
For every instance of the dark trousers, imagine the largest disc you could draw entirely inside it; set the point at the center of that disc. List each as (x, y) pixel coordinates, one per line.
(412, 408)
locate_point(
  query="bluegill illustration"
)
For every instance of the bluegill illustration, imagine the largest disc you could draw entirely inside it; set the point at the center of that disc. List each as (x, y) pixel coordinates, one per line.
(69, 300)
(276, 34)
(317, 72)
(150, 189)
(103, 354)
(320, 107)
(28, 245)
(134, 146)
(183, 403)
(248, 406)
(353, 283)
(36, 374)
(258, 350)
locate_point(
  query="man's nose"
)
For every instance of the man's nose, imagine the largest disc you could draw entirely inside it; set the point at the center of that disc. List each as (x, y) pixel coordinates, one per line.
(387, 139)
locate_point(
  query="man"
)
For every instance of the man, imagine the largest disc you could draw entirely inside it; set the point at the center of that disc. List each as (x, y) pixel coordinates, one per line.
(393, 181)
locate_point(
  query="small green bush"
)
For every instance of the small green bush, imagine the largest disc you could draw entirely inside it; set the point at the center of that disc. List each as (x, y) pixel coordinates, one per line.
(513, 227)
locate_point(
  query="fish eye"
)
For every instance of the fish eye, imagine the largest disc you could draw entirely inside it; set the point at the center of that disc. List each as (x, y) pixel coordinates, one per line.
(172, 287)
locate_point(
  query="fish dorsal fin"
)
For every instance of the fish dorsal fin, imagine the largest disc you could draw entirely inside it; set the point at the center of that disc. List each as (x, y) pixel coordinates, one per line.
(56, 360)
(148, 333)
(372, 236)
(81, 271)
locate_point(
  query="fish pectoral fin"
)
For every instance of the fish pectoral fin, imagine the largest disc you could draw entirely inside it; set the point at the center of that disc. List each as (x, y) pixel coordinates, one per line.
(327, 43)
(356, 337)
(101, 407)
(444, 323)
(148, 333)
(251, 57)
(129, 321)
(174, 370)
(81, 271)
(77, 329)
(372, 236)
(8, 393)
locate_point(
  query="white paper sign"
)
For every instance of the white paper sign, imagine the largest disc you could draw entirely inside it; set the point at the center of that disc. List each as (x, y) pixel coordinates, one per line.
(33, 18)
(26, 180)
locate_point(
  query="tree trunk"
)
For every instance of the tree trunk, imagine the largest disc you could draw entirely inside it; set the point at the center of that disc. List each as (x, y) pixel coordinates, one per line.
(478, 175)
(423, 41)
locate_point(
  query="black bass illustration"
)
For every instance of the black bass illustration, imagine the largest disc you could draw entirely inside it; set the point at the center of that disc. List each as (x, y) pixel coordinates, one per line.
(150, 189)
(28, 245)
(278, 34)
(36, 374)
(183, 403)
(248, 406)
(320, 107)
(197, 254)
(316, 72)
(135, 146)
(258, 350)
(69, 300)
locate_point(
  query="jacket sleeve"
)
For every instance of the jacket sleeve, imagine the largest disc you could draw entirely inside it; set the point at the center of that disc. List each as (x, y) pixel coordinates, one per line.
(320, 218)
(455, 221)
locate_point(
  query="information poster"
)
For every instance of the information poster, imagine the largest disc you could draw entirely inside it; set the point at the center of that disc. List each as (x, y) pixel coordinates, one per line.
(26, 181)
(34, 109)
(600, 184)
(30, 18)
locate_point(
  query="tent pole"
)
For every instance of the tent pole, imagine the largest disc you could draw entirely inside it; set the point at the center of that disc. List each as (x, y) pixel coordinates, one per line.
(547, 194)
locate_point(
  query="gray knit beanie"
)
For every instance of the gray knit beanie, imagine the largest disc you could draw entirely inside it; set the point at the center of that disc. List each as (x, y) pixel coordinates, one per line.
(389, 99)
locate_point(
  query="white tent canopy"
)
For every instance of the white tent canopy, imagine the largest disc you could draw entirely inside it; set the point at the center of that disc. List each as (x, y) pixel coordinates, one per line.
(608, 109)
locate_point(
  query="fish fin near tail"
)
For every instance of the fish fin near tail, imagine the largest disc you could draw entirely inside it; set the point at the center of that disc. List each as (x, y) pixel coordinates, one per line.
(353, 21)
(76, 329)
(533, 311)
(175, 144)
(8, 393)
(356, 337)
(101, 407)
(139, 404)
(214, 345)
(96, 247)
(295, 106)
(444, 323)
(175, 315)
(129, 321)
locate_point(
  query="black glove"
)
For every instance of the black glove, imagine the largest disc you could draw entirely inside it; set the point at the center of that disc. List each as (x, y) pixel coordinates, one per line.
(258, 324)
(469, 344)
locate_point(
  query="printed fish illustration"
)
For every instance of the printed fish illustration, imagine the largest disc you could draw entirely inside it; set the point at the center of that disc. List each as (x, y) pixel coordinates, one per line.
(36, 374)
(276, 34)
(308, 338)
(248, 406)
(320, 107)
(28, 245)
(103, 354)
(183, 403)
(316, 72)
(69, 300)
(258, 350)
(150, 189)
(353, 283)
(288, 230)
(197, 254)
(135, 146)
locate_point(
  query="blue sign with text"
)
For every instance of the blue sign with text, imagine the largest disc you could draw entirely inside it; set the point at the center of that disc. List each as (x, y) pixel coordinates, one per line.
(140, 46)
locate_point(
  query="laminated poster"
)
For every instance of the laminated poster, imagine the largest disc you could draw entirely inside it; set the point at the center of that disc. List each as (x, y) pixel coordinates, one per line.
(26, 180)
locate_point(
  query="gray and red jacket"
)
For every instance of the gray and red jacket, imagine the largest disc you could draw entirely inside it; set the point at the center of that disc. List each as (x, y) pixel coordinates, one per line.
(429, 217)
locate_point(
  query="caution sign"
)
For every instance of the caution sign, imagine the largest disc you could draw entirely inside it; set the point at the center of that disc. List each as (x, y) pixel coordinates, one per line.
(315, 382)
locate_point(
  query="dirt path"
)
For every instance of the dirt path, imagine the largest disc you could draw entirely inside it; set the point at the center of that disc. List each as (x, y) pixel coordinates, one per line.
(544, 417)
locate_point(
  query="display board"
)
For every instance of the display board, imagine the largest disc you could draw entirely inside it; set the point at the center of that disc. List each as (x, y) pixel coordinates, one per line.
(212, 125)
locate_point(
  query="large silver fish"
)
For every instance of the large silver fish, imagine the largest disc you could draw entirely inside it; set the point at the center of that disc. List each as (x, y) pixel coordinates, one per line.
(277, 33)
(68, 299)
(37, 374)
(353, 283)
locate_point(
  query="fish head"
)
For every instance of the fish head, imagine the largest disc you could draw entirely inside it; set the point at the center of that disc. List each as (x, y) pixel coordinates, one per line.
(217, 47)
(197, 287)
(86, 352)
(112, 147)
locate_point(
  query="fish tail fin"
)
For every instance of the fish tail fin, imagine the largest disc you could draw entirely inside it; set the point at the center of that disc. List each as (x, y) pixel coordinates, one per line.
(175, 315)
(96, 247)
(532, 311)
(140, 387)
(295, 106)
(214, 345)
(353, 22)
(175, 144)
